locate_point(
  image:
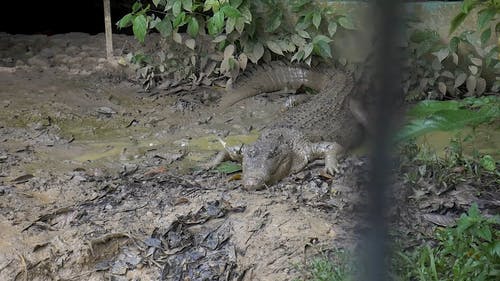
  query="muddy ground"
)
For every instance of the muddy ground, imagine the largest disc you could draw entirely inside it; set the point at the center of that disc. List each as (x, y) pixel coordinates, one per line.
(100, 180)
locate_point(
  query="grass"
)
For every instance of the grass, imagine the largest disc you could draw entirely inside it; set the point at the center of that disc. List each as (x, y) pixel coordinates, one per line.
(337, 268)
(470, 251)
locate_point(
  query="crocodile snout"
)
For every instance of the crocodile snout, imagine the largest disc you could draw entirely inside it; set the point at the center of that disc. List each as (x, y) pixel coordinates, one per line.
(253, 183)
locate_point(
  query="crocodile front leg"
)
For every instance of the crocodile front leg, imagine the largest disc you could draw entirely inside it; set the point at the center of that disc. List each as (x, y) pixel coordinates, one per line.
(233, 153)
(331, 152)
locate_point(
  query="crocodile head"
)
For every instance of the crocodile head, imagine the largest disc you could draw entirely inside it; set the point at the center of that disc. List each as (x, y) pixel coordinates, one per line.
(266, 162)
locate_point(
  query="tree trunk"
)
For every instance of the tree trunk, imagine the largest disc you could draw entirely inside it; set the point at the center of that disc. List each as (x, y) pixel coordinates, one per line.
(108, 31)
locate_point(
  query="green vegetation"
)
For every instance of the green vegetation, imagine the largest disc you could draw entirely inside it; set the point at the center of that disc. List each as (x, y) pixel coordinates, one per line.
(432, 115)
(231, 33)
(488, 14)
(458, 69)
(338, 268)
(469, 251)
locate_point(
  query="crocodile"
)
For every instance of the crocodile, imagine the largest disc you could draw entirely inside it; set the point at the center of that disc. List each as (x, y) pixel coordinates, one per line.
(326, 126)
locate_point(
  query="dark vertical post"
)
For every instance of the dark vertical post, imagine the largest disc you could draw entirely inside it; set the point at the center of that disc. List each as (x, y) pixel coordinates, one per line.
(386, 87)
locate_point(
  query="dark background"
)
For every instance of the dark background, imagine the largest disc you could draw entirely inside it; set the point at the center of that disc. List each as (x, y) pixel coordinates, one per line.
(62, 16)
(59, 16)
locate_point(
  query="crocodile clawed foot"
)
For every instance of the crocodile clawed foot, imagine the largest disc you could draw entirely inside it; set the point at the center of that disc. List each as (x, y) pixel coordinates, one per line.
(331, 164)
(233, 153)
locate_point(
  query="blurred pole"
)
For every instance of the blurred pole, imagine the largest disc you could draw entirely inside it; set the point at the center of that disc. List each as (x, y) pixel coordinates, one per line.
(108, 30)
(386, 87)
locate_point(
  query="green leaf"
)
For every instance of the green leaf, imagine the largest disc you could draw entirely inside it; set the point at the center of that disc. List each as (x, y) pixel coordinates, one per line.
(126, 21)
(211, 5)
(303, 34)
(454, 44)
(346, 22)
(308, 48)
(276, 18)
(187, 5)
(316, 19)
(176, 8)
(298, 56)
(235, 3)
(488, 163)
(332, 28)
(457, 21)
(228, 167)
(136, 7)
(274, 47)
(193, 27)
(164, 27)
(468, 5)
(140, 27)
(321, 38)
(257, 52)
(179, 20)
(484, 16)
(298, 4)
(230, 12)
(485, 36)
(247, 14)
(305, 21)
(322, 48)
(216, 23)
(230, 23)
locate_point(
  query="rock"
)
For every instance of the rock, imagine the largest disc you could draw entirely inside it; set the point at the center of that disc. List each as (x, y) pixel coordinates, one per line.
(47, 53)
(38, 61)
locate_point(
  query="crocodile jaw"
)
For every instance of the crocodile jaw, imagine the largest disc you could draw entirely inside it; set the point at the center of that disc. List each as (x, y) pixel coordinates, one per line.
(266, 162)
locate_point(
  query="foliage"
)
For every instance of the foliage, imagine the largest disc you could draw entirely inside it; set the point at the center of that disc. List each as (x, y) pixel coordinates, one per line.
(456, 69)
(469, 251)
(228, 167)
(338, 268)
(419, 162)
(432, 115)
(488, 15)
(233, 32)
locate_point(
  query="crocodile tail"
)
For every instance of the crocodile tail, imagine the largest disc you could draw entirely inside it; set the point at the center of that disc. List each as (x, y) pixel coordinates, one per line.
(271, 77)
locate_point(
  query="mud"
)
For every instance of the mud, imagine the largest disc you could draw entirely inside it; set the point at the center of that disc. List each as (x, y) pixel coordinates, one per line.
(102, 181)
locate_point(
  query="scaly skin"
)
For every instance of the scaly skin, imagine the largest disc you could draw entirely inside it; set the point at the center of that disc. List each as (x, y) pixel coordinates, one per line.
(323, 127)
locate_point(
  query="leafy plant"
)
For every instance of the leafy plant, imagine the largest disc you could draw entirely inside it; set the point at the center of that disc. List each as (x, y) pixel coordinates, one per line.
(338, 268)
(233, 32)
(456, 69)
(488, 15)
(432, 115)
(469, 251)
(228, 167)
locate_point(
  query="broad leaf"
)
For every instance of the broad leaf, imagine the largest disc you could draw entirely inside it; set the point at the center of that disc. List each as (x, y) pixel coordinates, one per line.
(316, 19)
(187, 5)
(126, 21)
(332, 28)
(176, 8)
(193, 27)
(274, 47)
(485, 36)
(231, 12)
(140, 27)
(484, 16)
(228, 167)
(346, 22)
(457, 21)
(276, 18)
(164, 27)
